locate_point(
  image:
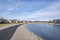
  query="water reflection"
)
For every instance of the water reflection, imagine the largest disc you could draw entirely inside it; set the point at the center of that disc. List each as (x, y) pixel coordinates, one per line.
(47, 31)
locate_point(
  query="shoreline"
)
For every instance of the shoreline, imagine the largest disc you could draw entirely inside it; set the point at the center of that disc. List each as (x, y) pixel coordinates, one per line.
(45, 23)
(22, 33)
(4, 25)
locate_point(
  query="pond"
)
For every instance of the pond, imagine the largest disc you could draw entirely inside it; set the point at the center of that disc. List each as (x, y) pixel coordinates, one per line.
(46, 31)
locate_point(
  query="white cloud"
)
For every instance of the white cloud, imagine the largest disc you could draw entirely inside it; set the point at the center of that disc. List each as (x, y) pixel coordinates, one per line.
(24, 5)
(50, 12)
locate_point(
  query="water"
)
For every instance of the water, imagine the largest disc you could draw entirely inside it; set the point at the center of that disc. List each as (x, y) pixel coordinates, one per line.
(46, 31)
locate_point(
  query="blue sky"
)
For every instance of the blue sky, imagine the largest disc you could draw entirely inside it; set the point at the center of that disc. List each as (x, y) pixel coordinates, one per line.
(30, 9)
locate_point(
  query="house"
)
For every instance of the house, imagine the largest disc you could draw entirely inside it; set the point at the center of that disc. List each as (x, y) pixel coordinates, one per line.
(3, 21)
(14, 21)
(10, 21)
(56, 20)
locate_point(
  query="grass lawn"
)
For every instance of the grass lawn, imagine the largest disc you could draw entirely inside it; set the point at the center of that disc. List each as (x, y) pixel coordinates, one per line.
(2, 25)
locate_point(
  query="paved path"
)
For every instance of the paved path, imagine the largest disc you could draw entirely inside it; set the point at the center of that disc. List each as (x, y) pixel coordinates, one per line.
(1, 28)
(7, 33)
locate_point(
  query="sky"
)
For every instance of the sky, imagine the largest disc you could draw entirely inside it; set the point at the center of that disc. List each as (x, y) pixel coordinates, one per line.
(30, 10)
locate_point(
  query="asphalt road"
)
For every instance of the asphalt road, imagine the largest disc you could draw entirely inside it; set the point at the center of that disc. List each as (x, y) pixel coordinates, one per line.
(7, 33)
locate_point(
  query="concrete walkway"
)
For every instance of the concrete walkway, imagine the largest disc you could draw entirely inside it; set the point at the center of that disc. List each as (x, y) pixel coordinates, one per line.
(22, 33)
